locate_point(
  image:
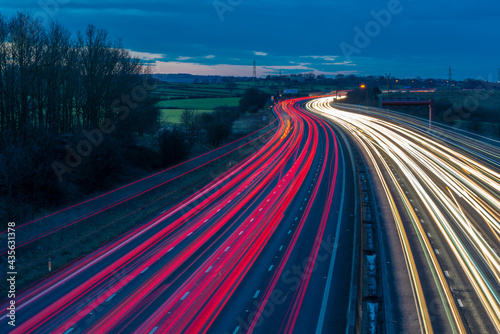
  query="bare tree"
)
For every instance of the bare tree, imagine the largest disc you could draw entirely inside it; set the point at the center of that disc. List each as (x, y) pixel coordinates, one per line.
(191, 122)
(51, 81)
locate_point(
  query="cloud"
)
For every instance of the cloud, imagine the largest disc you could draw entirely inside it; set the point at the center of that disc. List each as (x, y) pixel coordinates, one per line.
(344, 63)
(259, 53)
(234, 70)
(326, 58)
(181, 58)
(201, 69)
(210, 57)
(147, 55)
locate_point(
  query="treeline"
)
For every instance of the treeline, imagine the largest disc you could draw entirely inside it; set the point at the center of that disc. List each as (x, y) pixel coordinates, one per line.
(366, 96)
(72, 108)
(61, 83)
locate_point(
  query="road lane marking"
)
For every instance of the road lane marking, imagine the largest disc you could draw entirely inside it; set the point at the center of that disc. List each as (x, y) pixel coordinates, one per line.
(185, 295)
(256, 294)
(326, 293)
(111, 297)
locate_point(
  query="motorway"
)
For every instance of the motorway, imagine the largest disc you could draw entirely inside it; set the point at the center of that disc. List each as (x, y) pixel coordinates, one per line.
(438, 194)
(126, 195)
(266, 247)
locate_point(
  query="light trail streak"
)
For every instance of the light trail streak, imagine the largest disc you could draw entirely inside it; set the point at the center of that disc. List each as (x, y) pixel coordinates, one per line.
(187, 262)
(438, 174)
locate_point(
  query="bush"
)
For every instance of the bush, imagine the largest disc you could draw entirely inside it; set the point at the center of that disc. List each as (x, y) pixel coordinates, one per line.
(253, 109)
(173, 146)
(253, 97)
(218, 131)
(142, 157)
(103, 168)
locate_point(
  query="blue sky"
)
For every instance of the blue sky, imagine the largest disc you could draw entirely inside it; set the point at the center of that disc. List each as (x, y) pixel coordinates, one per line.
(407, 38)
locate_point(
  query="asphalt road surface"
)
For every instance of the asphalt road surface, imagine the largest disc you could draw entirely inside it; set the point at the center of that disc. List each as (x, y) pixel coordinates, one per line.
(266, 247)
(439, 198)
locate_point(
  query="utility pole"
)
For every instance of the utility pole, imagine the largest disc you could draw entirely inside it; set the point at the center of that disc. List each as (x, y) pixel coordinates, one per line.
(431, 111)
(388, 81)
(254, 70)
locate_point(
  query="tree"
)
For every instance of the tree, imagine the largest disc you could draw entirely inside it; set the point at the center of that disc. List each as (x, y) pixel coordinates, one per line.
(172, 146)
(52, 81)
(230, 86)
(191, 123)
(310, 76)
(366, 96)
(253, 97)
(217, 131)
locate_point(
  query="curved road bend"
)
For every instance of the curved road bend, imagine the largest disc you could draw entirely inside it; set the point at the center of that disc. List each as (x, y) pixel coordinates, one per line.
(266, 247)
(439, 194)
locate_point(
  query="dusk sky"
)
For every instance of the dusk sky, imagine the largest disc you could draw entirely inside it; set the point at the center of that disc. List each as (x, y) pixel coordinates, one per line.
(408, 38)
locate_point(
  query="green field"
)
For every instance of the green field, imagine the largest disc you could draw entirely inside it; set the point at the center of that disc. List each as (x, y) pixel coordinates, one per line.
(200, 104)
(205, 97)
(171, 110)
